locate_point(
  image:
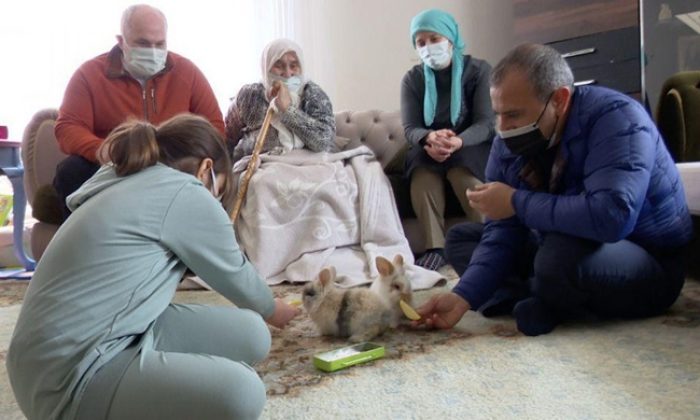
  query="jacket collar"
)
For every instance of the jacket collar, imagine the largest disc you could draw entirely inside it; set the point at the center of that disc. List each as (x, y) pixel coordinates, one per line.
(115, 67)
(573, 123)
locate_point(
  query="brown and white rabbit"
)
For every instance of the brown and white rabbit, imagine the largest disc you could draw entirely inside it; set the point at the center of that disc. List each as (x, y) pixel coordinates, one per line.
(392, 285)
(357, 313)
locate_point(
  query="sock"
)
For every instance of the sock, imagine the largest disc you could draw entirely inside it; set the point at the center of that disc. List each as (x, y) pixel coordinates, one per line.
(432, 259)
(533, 317)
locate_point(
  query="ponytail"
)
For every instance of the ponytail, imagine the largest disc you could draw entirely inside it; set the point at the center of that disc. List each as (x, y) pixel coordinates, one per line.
(180, 143)
(130, 147)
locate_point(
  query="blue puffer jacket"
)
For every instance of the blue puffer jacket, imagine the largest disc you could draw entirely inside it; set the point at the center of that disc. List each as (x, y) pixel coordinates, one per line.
(619, 183)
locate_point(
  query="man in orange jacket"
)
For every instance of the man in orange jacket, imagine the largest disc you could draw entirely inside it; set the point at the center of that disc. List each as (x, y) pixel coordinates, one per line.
(139, 79)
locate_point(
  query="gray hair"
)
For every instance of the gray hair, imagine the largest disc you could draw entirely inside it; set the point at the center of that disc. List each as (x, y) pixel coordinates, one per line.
(129, 13)
(542, 65)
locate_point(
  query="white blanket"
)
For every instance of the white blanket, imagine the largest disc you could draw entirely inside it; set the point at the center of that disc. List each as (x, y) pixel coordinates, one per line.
(305, 211)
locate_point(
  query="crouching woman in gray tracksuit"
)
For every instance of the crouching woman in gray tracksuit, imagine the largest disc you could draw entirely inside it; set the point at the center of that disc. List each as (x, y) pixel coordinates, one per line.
(98, 336)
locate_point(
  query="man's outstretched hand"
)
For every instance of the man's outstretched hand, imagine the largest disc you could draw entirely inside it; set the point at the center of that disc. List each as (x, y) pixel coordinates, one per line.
(442, 311)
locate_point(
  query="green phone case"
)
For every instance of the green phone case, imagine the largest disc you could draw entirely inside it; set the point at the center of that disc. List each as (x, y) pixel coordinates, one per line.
(341, 358)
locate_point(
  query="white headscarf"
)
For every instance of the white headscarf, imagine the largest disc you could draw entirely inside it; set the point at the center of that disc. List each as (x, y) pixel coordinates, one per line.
(273, 52)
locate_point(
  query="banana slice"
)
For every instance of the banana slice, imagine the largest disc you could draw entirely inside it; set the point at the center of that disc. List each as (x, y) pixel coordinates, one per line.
(295, 302)
(409, 311)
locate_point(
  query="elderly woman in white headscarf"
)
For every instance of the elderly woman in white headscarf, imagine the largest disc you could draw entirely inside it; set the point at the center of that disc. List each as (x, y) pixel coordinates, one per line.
(304, 114)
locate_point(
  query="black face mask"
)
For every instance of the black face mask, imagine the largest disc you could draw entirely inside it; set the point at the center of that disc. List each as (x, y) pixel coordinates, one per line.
(528, 140)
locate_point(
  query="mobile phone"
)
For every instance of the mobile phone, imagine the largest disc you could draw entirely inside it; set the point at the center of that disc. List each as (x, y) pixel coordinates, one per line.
(341, 358)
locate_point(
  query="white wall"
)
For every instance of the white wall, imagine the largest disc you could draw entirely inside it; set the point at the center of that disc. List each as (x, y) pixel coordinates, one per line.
(358, 50)
(42, 43)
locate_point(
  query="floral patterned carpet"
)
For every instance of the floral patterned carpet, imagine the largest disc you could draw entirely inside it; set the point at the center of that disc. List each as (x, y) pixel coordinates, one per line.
(289, 368)
(483, 368)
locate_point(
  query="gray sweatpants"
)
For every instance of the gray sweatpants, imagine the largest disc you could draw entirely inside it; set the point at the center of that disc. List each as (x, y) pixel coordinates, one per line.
(198, 368)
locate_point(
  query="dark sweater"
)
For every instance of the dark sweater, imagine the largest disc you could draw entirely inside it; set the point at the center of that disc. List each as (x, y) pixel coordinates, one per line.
(475, 125)
(313, 120)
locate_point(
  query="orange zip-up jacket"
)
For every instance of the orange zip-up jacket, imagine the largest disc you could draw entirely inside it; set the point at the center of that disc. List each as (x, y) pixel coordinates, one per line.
(101, 95)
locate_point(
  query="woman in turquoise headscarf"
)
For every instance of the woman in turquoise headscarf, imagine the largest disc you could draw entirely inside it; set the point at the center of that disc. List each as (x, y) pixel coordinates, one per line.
(449, 123)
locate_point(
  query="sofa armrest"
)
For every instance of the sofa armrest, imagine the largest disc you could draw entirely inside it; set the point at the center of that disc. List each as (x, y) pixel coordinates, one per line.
(676, 115)
(40, 151)
(690, 177)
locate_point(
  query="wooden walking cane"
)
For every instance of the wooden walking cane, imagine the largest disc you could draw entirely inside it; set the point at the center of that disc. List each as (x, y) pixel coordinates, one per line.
(250, 168)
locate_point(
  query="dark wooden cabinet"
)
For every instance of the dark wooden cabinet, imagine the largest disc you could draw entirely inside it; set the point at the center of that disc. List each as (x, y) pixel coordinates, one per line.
(599, 38)
(545, 21)
(610, 59)
(633, 46)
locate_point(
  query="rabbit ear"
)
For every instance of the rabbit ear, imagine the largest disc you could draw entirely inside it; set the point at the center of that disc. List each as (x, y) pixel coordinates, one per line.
(327, 276)
(398, 260)
(384, 266)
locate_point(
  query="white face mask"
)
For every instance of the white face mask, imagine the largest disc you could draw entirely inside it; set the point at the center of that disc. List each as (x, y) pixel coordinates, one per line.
(293, 83)
(143, 62)
(214, 188)
(436, 56)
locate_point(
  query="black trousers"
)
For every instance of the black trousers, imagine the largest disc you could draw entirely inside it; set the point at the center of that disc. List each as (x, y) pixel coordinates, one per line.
(71, 173)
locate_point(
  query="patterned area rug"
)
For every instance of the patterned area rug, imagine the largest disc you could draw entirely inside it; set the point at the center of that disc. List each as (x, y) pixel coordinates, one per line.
(289, 367)
(483, 368)
(12, 292)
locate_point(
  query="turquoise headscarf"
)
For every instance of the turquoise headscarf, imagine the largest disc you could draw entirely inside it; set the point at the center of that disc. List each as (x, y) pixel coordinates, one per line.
(435, 20)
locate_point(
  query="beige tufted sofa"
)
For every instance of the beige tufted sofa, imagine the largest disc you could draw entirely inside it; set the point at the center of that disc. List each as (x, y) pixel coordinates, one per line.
(379, 130)
(383, 132)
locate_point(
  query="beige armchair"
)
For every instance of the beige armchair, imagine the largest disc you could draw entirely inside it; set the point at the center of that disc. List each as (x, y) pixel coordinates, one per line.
(40, 155)
(677, 117)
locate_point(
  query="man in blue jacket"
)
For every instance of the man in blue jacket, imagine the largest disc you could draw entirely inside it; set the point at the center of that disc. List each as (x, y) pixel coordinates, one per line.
(586, 213)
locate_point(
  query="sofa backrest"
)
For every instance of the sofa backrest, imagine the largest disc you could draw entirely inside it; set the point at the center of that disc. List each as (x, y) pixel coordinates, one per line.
(40, 151)
(381, 131)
